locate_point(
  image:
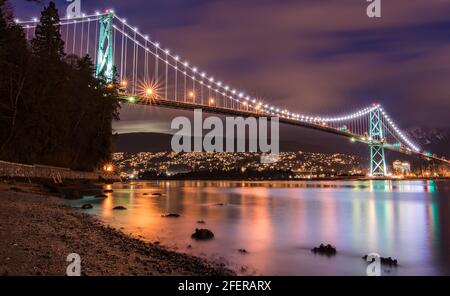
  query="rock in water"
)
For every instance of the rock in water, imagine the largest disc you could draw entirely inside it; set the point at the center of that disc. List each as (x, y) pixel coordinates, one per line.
(202, 234)
(201, 222)
(328, 250)
(108, 191)
(101, 196)
(119, 208)
(156, 194)
(385, 261)
(171, 215)
(87, 207)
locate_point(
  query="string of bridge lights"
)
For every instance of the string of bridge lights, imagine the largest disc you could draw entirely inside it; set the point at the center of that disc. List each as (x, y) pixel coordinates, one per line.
(62, 22)
(398, 131)
(66, 18)
(223, 88)
(216, 85)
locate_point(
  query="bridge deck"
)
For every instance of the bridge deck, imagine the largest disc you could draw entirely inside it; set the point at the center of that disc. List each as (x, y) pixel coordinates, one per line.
(172, 104)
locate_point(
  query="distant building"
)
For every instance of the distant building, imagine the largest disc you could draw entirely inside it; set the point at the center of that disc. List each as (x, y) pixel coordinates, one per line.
(401, 168)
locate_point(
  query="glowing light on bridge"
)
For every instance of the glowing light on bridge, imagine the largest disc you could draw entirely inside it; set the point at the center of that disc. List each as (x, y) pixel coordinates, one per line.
(150, 90)
(109, 168)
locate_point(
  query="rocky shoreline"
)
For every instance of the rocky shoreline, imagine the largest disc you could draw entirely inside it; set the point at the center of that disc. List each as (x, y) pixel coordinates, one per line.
(38, 232)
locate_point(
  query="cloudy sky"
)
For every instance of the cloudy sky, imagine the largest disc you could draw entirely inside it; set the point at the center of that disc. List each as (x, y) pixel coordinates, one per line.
(313, 56)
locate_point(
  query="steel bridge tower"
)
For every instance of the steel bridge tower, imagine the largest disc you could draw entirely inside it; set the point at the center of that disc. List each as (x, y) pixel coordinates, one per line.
(105, 61)
(377, 159)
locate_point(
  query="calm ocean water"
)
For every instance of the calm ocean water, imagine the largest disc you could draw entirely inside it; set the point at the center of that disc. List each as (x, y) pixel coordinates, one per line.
(279, 222)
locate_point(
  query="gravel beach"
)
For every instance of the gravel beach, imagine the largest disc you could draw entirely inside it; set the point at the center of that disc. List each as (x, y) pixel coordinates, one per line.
(37, 232)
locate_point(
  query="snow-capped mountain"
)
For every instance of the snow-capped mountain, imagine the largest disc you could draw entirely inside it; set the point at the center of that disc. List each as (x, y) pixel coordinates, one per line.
(431, 139)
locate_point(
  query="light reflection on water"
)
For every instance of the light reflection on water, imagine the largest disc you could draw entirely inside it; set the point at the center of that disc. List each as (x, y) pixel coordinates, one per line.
(279, 222)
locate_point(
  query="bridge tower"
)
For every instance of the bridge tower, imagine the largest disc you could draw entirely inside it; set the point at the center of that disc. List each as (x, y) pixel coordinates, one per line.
(105, 61)
(377, 159)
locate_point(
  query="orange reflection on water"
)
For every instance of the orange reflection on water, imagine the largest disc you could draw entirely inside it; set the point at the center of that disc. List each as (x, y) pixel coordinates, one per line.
(278, 222)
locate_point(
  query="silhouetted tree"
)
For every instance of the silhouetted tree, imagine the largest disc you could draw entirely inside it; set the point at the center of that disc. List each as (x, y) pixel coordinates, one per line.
(14, 62)
(52, 108)
(47, 43)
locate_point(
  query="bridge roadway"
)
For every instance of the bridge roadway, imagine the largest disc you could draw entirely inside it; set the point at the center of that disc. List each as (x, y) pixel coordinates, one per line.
(172, 104)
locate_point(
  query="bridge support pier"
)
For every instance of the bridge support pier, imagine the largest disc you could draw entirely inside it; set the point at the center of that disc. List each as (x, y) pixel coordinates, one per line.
(377, 158)
(105, 61)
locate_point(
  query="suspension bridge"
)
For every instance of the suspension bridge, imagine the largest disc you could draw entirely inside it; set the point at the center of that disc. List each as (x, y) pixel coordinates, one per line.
(149, 74)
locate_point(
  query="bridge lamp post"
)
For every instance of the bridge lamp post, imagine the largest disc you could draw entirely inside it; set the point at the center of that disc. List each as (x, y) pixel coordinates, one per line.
(123, 86)
(192, 96)
(149, 92)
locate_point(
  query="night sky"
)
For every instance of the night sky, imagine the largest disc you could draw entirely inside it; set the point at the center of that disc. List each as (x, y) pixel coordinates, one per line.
(312, 56)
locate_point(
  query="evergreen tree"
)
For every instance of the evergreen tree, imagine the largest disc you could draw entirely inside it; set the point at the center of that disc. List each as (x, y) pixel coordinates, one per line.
(47, 43)
(14, 62)
(52, 108)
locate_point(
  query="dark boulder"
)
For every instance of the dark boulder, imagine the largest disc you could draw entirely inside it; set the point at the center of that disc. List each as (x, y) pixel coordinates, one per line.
(202, 234)
(243, 251)
(323, 249)
(385, 261)
(86, 206)
(171, 215)
(119, 208)
(101, 196)
(201, 222)
(108, 191)
(156, 194)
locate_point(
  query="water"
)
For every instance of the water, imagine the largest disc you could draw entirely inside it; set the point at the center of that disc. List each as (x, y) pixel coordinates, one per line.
(279, 222)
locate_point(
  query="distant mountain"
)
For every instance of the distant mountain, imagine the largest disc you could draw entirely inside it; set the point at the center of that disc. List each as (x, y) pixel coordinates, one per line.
(291, 139)
(432, 139)
(141, 142)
